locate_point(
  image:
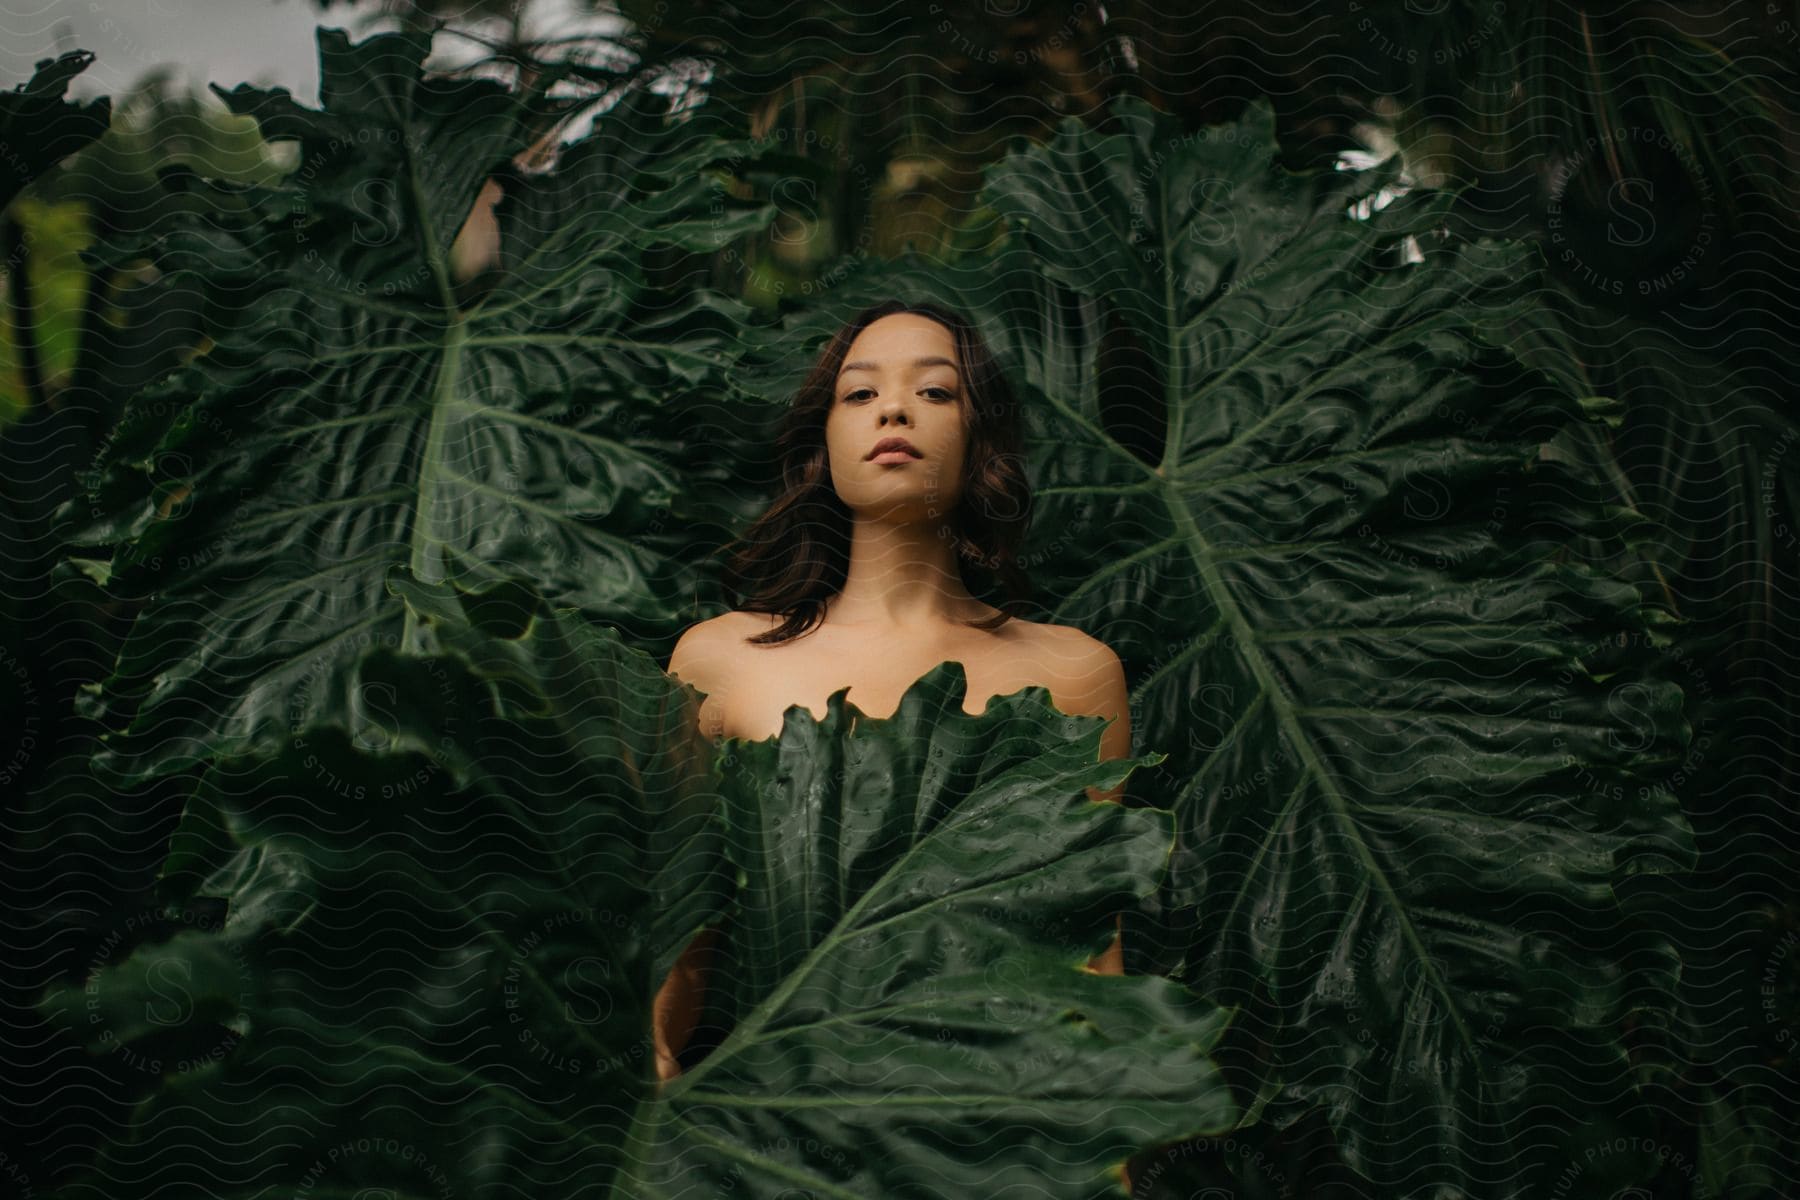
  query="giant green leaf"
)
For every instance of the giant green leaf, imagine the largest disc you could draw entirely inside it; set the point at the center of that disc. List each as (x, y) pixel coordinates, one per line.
(371, 410)
(918, 895)
(1292, 445)
(435, 970)
(1404, 785)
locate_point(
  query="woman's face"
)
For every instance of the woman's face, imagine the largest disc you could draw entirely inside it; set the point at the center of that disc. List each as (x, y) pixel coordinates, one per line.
(900, 379)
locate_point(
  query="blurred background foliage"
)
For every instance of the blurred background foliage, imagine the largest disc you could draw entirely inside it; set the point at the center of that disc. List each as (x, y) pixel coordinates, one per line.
(1557, 122)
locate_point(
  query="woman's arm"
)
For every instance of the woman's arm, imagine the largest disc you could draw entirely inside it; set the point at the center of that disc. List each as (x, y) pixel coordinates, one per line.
(676, 1009)
(1103, 693)
(1099, 690)
(1111, 961)
(698, 660)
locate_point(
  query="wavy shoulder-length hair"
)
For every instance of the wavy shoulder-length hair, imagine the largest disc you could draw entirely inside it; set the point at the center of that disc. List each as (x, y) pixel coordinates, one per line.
(796, 556)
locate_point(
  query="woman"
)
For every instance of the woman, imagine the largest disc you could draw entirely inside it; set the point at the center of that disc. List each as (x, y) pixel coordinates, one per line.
(901, 462)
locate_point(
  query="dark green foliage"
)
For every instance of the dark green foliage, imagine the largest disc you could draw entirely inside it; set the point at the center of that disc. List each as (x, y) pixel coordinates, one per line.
(392, 539)
(436, 969)
(363, 412)
(1302, 484)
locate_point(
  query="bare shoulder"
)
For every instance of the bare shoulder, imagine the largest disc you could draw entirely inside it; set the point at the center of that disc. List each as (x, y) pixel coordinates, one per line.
(1085, 674)
(709, 657)
(706, 646)
(1089, 680)
(701, 650)
(1074, 653)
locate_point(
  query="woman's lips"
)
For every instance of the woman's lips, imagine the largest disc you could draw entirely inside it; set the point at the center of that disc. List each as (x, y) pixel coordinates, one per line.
(892, 456)
(887, 446)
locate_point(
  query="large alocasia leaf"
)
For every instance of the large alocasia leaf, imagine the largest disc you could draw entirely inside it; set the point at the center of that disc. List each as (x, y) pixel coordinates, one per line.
(1293, 465)
(435, 969)
(367, 410)
(919, 893)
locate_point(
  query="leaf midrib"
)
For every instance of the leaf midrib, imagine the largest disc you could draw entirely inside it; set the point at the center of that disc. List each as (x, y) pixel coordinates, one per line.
(752, 1024)
(1286, 715)
(443, 395)
(1188, 532)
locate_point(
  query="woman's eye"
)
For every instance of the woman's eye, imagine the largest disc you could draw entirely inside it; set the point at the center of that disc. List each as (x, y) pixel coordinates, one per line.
(860, 392)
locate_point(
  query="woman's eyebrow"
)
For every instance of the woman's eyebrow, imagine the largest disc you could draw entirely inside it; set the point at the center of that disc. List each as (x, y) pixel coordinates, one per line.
(928, 361)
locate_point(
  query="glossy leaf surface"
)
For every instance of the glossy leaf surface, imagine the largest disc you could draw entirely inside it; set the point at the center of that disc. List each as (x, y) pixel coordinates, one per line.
(920, 895)
(372, 409)
(1294, 457)
(437, 955)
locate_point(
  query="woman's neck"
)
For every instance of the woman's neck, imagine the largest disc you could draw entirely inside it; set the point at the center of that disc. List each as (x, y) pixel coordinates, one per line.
(902, 575)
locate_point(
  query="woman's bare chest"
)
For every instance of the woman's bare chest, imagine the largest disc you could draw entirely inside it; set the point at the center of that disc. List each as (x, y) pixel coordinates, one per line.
(762, 683)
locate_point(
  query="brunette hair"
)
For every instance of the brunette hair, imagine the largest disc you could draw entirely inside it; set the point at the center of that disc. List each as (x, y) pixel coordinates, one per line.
(796, 555)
